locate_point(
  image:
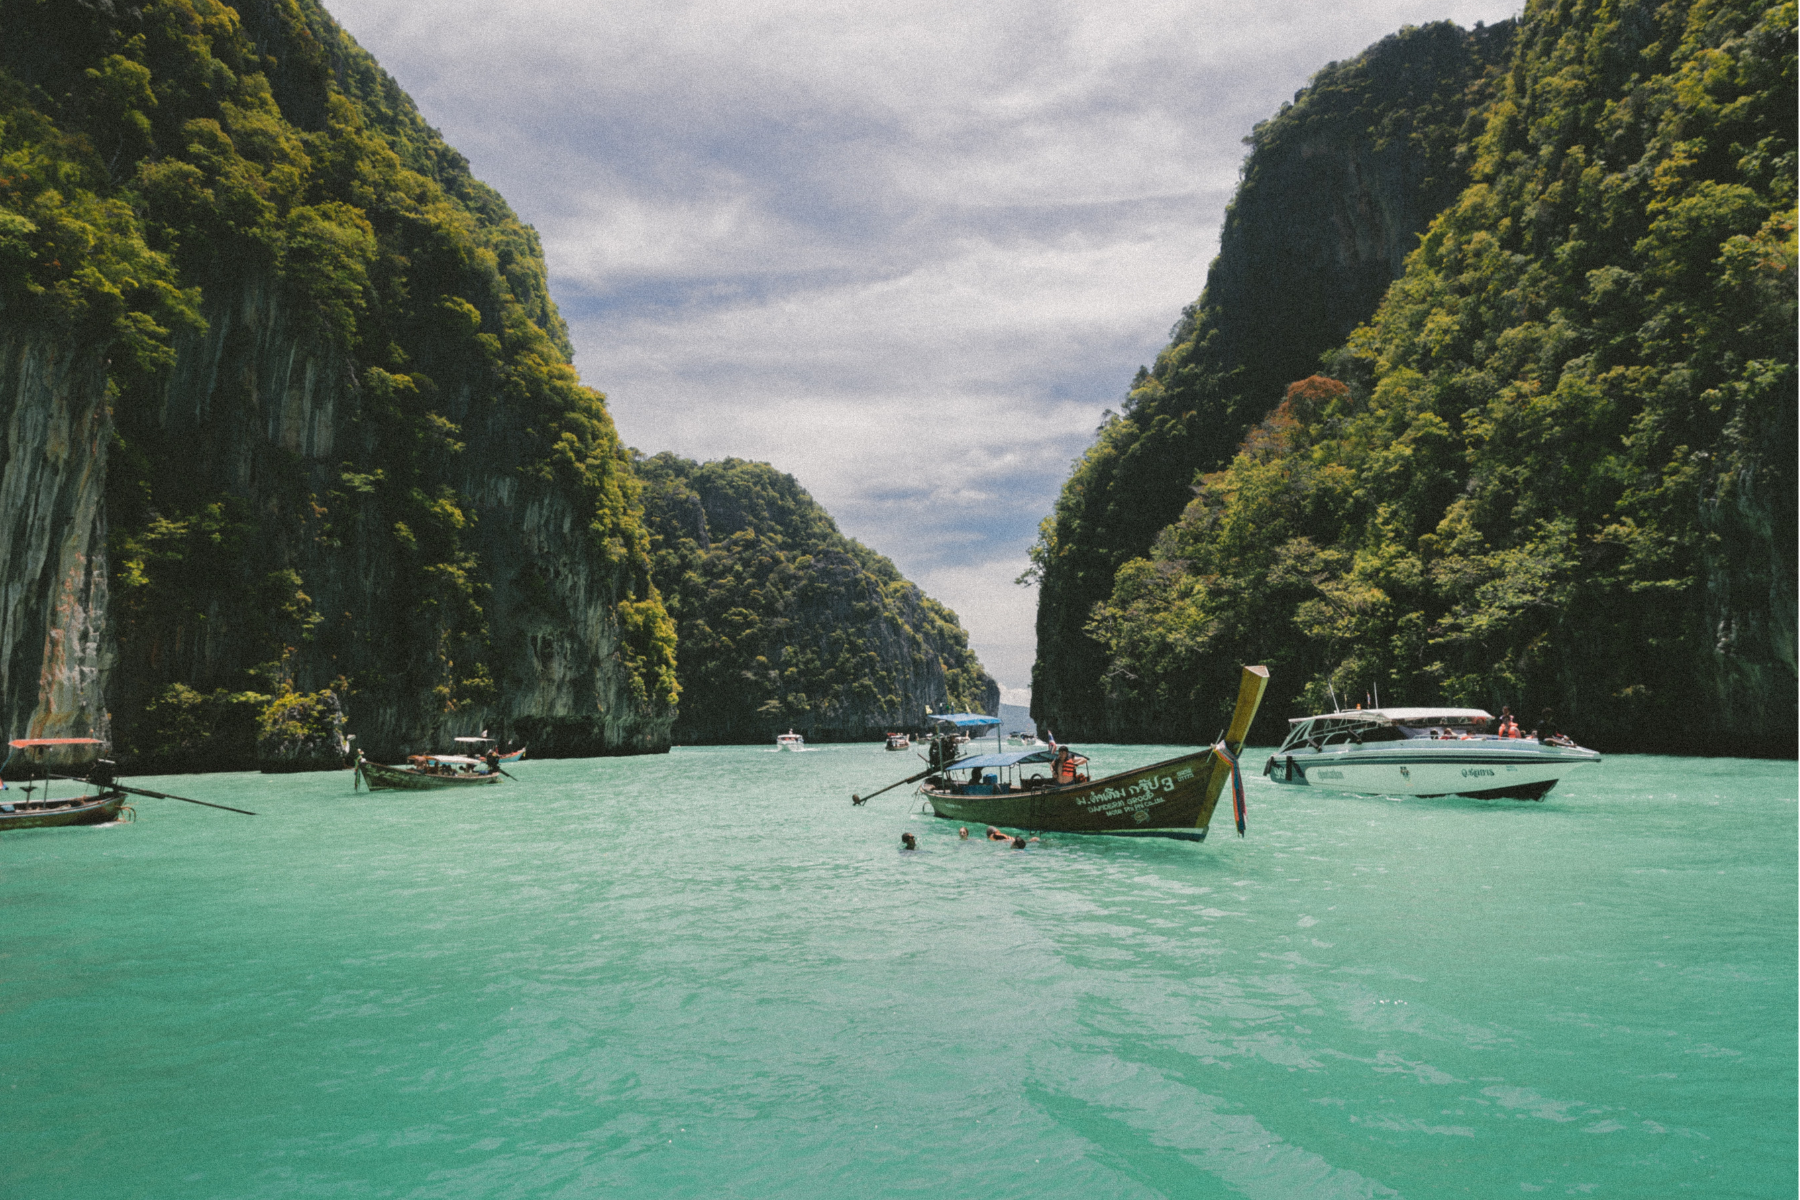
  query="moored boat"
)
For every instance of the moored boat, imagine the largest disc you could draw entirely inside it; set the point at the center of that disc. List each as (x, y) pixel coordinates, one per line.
(38, 812)
(425, 771)
(898, 741)
(1022, 738)
(1421, 752)
(1174, 798)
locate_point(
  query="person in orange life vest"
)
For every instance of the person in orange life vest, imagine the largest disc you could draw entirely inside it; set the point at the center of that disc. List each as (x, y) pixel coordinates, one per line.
(1062, 768)
(1509, 728)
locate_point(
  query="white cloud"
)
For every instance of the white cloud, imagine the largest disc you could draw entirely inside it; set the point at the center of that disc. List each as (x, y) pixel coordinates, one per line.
(907, 252)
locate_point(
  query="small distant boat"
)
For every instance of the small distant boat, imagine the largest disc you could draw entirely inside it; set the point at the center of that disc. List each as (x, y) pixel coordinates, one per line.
(514, 756)
(426, 771)
(898, 741)
(789, 741)
(1022, 738)
(1171, 799)
(1421, 752)
(39, 812)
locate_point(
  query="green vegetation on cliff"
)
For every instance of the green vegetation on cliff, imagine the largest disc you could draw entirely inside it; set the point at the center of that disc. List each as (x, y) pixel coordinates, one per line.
(784, 622)
(1335, 189)
(1556, 468)
(192, 190)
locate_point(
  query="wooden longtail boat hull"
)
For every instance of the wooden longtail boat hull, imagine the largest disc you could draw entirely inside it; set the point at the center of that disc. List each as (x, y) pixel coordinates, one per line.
(1171, 799)
(88, 810)
(1167, 799)
(378, 778)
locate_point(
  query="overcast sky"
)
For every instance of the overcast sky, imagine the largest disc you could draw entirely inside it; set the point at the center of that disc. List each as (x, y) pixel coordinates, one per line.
(908, 252)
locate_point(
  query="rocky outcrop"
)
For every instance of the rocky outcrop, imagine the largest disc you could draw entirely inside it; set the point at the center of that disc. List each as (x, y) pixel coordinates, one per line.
(54, 650)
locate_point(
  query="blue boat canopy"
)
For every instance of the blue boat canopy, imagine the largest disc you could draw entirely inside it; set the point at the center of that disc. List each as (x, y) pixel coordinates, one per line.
(1042, 754)
(963, 720)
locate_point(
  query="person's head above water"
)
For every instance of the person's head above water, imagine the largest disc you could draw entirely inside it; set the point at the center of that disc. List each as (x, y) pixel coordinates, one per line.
(909, 842)
(963, 833)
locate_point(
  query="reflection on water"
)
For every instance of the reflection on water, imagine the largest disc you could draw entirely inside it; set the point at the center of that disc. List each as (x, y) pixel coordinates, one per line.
(707, 974)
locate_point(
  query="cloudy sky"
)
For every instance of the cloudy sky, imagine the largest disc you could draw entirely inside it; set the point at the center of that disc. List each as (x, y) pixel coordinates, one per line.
(908, 252)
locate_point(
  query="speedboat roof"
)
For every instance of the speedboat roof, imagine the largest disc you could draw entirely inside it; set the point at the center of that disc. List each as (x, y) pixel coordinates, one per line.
(454, 760)
(472, 739)
(964, 720)
(1400, 716)
(986, 761)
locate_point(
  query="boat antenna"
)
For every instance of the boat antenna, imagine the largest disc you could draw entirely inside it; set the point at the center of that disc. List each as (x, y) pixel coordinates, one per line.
(1332, 692)
(1378, 693)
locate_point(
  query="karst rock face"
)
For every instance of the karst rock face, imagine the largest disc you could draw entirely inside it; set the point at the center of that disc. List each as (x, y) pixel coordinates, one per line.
(55, 651)
(290, 432)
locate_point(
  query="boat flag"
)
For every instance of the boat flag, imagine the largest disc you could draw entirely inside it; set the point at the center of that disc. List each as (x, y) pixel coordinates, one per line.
(1237, 783)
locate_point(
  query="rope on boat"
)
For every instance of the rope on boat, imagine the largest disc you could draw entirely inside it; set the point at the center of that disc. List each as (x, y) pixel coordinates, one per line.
(1237, 783)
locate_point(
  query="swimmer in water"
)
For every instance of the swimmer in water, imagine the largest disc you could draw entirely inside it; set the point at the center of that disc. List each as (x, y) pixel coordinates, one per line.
(908, 842)
(963, 833)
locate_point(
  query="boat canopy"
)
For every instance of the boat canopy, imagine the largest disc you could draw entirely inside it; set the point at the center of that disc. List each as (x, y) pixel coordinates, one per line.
(22, 743)
(964, 720)
(472, 739)
(1401, 716)
(454, 760)
(995, 761)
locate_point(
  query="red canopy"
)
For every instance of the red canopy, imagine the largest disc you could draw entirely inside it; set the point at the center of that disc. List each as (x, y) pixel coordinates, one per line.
(21, 743)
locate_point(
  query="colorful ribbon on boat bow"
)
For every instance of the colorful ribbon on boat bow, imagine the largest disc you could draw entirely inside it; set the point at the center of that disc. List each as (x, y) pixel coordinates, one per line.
(1237, 783)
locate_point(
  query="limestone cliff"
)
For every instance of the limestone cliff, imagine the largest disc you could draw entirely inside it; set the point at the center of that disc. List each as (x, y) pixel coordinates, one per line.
(54, 645)
(1336, 188)
(290, 429)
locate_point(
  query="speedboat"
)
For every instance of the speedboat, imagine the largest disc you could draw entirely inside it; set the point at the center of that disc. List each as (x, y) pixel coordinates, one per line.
(1022, 738)
(1421, 752)
(899, 741)
(789, 741)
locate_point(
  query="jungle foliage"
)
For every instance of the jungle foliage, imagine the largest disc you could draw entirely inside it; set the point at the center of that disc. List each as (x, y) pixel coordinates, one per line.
(165, 164)
(1555, 469)
(784, 622)
(1334, 190)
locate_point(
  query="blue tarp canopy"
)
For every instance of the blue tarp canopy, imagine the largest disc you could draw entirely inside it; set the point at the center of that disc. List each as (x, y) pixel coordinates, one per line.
(963, 720)
(985, 762)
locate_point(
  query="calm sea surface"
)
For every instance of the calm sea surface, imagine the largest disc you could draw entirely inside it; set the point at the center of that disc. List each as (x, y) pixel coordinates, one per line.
(706, 974)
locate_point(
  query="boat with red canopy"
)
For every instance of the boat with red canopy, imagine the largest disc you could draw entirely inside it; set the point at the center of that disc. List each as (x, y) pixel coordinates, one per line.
(98, 801)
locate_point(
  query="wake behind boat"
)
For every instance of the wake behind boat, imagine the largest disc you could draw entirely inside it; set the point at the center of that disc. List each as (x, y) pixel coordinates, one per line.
(1421, 752)
(1172, 799)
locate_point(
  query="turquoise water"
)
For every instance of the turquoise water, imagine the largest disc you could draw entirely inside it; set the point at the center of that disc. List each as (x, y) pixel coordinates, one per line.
(706, 974)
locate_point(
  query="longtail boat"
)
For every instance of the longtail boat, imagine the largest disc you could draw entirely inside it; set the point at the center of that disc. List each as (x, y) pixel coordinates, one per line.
(423, 772)
(1170, 799)
(34, 812)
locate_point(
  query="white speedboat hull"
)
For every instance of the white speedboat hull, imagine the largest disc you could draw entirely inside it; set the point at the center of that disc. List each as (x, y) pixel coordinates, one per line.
(1499, 768)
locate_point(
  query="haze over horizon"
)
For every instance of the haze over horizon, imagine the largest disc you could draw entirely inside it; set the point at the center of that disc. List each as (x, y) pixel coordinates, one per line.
(908, 256)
